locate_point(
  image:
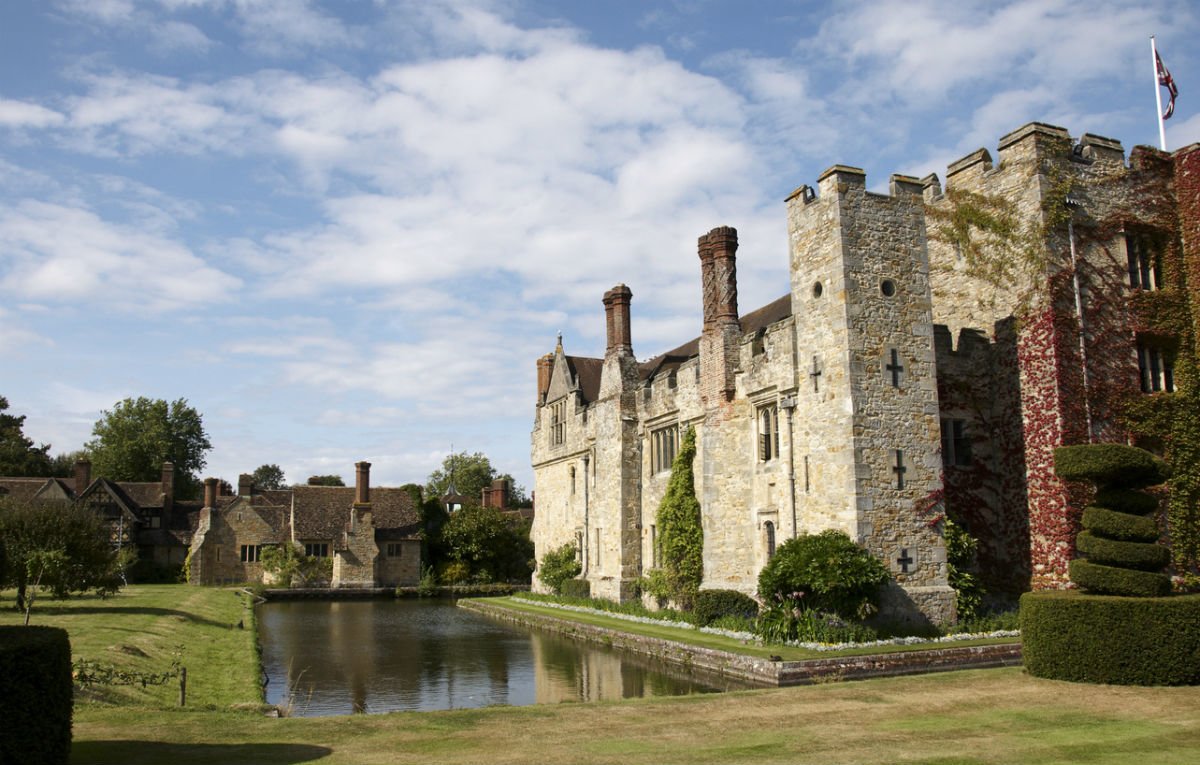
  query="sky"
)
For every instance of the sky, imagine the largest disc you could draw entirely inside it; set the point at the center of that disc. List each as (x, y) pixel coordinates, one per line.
(347, 230)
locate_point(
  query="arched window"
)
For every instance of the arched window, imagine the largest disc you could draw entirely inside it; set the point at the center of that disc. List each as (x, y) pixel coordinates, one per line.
(769, 532)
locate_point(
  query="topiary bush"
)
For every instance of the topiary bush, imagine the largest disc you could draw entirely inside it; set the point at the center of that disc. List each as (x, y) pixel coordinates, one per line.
(1147, 641)
(711, 605)
(1118, 541)
(825, 572)
(35, 695)
(557, 566)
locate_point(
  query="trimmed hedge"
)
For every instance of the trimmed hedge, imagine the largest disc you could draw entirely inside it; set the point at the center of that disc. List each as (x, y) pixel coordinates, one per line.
(576, 588)
(1074, 636)
(711, 605)
(1109, 580)
(1129, 501)
(1139, 555)
(1118, 525)
(35, 695)
(1109, 465)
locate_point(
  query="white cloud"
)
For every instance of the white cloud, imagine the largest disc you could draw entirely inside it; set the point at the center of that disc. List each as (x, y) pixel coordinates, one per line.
(289, 27)
(60, 254)
(21, 114)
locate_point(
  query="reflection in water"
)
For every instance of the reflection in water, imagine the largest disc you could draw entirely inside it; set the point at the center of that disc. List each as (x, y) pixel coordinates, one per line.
(335, 657)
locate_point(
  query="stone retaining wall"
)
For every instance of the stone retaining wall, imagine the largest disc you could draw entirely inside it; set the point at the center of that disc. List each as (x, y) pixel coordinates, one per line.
(762, 671)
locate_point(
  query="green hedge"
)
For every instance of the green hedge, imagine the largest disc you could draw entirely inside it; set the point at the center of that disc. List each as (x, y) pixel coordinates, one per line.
(35, 695)
(1108, 580)
(1129, 501)
(1109, 465)
(1105, 639)
(1119, 525)
(576, 588)
(1139, 555)
(711, 605)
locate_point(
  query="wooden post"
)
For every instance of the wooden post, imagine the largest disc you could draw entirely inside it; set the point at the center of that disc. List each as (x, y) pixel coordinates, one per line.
(182, 686)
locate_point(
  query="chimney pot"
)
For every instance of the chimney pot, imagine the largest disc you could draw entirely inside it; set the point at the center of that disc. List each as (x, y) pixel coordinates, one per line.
(83, 476)
(245, 484)
(616, 315)
(210, 492)
(362, 483)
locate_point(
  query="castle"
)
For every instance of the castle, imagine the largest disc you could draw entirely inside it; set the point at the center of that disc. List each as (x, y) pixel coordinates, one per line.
(934, 346)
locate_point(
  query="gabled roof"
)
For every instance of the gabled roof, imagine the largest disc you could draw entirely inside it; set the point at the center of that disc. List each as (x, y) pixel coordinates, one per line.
(760, 318)
(322, 512)
(56, 489)
(21, 488)
(586, 372)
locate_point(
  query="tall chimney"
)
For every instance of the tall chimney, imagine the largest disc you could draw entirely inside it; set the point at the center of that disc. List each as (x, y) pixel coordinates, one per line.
(83, 476)
(245, 485)
(210, 492)
(616, 315)
(362, 483)
(544, 367)
(722, 330)
(168, 486)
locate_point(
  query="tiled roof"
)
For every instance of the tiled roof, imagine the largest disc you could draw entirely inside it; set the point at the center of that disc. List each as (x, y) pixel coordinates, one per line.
(760, 318)
(323, 511)
(21, 488)
(142, 494)
(587, 374)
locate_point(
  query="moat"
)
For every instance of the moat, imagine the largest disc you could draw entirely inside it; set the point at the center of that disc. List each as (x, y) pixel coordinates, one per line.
(341, 657)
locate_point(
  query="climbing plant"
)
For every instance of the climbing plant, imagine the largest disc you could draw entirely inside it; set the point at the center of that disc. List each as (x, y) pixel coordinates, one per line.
(680, 534)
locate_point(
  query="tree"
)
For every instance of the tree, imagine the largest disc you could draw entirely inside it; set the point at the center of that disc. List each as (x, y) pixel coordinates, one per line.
(269, 477)
(18, 455)
(558, 566)
(63, 465)
(494, 547)
(825, 572)
(469, 474)
(56, 546)
(325, 480)
(681, 536)
(133, 440)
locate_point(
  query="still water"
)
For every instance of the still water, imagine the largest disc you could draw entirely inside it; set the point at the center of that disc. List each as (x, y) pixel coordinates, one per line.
(332, 658)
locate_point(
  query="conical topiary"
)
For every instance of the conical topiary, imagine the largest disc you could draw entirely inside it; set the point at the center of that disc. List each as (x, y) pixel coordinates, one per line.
(1119, 541)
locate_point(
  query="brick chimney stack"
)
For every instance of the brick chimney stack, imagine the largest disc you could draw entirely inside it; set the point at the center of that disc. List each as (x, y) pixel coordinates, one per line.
(362, 483)
(210, 492)
(545, 365)
(83, 476)
(616, 315)
(168, 486)
(245, 485)
(722, 330)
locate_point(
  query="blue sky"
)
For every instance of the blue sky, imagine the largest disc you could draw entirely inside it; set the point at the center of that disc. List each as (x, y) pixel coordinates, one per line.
(347, 230)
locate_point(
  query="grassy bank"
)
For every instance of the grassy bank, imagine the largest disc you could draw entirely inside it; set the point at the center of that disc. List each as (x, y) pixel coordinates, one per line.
(959, 718)
(142, 629)
(981, 717)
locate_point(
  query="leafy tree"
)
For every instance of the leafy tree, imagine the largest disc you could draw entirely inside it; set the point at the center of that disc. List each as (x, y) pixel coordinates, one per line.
(470, 474)
(288, 564)
(133, 440)
(681, 536)
(269, 477)
(325, 480)
(56, 546)
(558, 566)
(18, 455)
(495, 547)
(63, 465)
(824, 572)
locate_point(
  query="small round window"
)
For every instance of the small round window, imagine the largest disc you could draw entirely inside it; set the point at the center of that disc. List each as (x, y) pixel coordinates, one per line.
(817, 289)
(887, 287)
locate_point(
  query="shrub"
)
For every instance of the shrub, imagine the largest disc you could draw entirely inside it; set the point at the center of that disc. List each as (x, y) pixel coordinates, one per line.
(1129, 501)
(1137, 555)
(711, 605)
(681, 532)
(559, 565)
(1103, 639)
(35, 695)
(1120, 525)
(1110, 580)
(576, 588)
(1109, 465)
(782, 622)
(825, 572)
(454, 572)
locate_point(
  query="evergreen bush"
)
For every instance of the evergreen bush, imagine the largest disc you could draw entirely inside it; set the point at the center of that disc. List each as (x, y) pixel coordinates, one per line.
(825, 572)
(1115, 563)
(711, 605)
(1113, 524)
(681, 535)
(1149, 641)
(35, 695)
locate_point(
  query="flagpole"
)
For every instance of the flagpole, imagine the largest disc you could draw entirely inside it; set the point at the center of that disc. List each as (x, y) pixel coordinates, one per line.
(1162, 133)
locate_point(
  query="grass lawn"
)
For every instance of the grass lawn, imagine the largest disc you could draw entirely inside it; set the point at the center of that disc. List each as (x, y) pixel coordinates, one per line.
(142, 627)
(972, 717)
(720, 642)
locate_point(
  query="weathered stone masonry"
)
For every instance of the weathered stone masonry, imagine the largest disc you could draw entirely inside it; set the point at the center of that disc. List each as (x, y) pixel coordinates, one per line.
(891, 379)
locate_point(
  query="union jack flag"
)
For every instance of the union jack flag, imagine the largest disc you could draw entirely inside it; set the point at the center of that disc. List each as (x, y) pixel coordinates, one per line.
(1165, 80)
